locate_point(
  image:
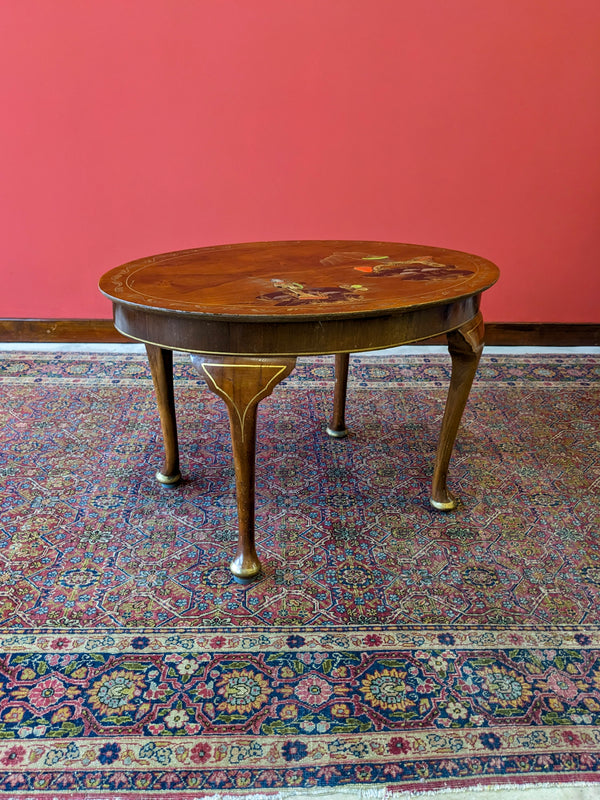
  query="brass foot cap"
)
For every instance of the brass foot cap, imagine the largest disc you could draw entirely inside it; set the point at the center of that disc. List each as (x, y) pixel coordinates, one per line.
(449, 505)
(245, 581)
(246, 574)
(337, 434)
(169, 481)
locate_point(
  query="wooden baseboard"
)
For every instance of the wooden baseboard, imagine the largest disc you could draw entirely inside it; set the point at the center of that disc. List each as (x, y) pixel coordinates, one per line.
(512, 334)
(536, 334)
(540, 334)
(60, 330)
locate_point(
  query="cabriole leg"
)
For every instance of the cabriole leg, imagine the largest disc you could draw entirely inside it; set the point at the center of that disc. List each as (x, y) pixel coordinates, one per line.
(242, 383)
(161, 367)
(337, 426)
(465, 346)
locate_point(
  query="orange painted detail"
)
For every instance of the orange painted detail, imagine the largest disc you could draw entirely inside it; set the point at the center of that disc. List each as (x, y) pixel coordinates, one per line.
(419, 268)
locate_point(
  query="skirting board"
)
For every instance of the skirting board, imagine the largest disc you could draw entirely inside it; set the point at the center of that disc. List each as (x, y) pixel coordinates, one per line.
(498, 334)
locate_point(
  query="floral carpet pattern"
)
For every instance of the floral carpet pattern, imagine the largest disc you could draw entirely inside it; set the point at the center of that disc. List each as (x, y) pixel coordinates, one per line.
(385, 643)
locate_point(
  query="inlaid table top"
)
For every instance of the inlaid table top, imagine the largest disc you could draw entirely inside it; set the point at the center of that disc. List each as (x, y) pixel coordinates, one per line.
(285, 282)
(299, 278)
(246, 311)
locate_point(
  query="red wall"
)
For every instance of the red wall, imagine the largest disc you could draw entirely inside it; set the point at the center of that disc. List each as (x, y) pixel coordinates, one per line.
(139, 126)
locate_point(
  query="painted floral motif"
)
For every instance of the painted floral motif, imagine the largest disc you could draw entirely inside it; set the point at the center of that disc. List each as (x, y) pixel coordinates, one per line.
(292, 293)
(420, 268)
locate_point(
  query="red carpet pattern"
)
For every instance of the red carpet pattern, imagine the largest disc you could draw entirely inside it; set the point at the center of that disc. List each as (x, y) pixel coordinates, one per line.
(386, 643)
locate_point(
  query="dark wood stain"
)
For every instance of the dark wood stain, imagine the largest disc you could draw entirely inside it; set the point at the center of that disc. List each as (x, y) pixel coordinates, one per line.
(497, 334)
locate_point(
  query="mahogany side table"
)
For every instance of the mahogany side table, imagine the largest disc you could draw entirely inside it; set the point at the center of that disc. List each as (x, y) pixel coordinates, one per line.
(246, 311)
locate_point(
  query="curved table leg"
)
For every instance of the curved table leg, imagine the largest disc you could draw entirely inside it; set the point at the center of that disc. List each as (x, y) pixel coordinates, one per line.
(242, 382)
(161, 367)
(337, 426)
(465, 346)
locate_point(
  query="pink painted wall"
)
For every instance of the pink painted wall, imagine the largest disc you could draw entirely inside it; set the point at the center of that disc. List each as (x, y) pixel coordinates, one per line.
(139, 126)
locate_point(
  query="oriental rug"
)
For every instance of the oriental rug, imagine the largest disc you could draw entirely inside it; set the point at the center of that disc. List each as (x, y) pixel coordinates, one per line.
(385, 645)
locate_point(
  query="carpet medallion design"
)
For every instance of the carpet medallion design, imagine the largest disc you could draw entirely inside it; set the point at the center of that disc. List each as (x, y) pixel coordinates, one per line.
(385, 644)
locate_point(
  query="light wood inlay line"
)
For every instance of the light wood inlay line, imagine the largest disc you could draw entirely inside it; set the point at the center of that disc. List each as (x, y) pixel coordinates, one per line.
(265, 390)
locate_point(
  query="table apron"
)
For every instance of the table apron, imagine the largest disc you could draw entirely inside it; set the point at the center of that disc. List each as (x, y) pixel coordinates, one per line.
(292, 336)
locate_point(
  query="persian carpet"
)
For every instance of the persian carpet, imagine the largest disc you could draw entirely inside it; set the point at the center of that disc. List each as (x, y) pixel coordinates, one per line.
(385, 645)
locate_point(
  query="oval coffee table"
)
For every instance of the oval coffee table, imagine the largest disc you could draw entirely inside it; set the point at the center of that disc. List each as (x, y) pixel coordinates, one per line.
(246, 311)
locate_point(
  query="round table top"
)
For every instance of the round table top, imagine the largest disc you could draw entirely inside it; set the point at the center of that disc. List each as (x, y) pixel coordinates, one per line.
(298, 279)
